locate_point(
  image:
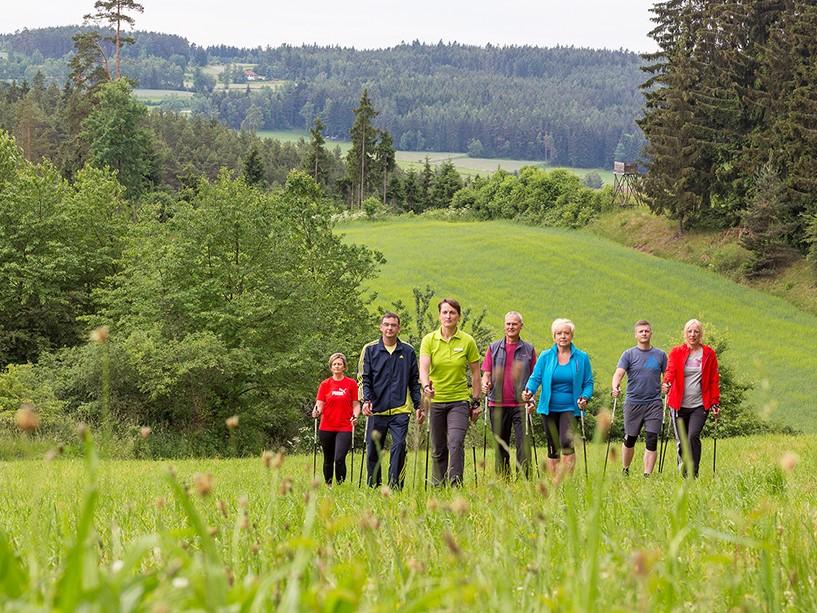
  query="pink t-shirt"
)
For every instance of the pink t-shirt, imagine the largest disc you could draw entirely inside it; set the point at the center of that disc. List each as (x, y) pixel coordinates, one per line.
(338, 397)
(508, 387)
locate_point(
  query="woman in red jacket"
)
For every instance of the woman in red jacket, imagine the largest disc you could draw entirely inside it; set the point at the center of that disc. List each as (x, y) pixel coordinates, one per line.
(692, 382)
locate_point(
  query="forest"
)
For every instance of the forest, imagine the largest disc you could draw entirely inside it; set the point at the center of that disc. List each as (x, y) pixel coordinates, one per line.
(568, 106)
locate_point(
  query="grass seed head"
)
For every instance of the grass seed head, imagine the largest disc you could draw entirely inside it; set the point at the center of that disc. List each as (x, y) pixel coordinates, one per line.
(459, 506)
(369, 522)
(27, 419)
(54, 453)
(285, 486)
(266, 458)
(385, 491)
(100, 335)
(604, 421)
(432, 504)
(145, 431)
(542, 489)
(451, 543)
(83, 432)
(203, 483)
(416, 566)
(613, 455)
(789, 461)
(222, 507)
(232, 422)
(643, 560)
(160, 502)
(212, 530)
(244, 501)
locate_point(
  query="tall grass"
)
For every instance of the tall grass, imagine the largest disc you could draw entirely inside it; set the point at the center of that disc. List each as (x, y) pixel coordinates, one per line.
(604, 288)
(236, 534)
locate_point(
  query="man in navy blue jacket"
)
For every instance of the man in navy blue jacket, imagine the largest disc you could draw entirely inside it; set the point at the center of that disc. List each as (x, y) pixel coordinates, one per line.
(390, 381)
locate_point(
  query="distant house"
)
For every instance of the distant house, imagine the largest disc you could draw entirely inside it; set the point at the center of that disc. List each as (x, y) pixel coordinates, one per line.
(251, 75)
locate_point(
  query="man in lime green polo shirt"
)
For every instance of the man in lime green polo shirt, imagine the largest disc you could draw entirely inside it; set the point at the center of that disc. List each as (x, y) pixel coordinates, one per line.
(446, 356)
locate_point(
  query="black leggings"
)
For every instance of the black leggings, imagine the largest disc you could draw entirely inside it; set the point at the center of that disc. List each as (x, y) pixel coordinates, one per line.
(692, 421)
(559, 433)
(335, 447)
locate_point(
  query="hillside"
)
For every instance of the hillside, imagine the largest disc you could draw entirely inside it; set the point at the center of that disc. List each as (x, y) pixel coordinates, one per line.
(604, 287)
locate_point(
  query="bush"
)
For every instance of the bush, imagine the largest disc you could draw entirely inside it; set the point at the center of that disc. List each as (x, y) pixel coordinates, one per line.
(592, 180)
(730, 259)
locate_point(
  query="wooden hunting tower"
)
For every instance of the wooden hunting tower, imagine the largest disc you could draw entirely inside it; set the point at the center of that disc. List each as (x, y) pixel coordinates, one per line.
(626, 183)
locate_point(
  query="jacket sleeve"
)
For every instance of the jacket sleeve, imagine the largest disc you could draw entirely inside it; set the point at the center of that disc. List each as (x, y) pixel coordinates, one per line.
(535, 379)
(366, 377)
(587, 379)
(714, 381)
(414, 381)
(672, 365)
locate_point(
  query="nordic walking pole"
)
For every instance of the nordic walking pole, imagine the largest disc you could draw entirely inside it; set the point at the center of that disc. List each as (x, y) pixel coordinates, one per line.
(484, 432)
(474, 449)
(315, 449)
(416, 452)
(584, 442)
(664, 437)
(363, 453)
(428, 430)
(529, 418)
(715, 441)
(353, 448)
(610, 435)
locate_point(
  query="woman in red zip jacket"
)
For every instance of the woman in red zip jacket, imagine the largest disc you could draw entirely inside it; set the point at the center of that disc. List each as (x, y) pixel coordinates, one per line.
(692, 382)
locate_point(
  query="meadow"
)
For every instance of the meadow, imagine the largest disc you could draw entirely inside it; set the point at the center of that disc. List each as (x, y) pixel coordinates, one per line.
(603, 287)
(253, 535)
(466, 166)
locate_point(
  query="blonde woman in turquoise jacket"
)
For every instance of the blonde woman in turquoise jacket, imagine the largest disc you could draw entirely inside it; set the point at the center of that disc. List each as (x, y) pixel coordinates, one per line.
(566, 378)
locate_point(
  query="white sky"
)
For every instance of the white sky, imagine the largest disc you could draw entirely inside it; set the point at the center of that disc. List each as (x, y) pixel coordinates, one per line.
(364, 24)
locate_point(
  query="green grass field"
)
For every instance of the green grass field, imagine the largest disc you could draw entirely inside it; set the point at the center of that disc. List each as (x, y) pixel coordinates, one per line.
(466, 166)
(603, 287)
(157, 96)
(250, 538)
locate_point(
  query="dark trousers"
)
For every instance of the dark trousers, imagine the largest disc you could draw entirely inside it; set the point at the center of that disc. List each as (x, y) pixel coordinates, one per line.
(503, 420)
(449, 423)
(559, 433)
(379, 427)
(335, 447)
(690, 423)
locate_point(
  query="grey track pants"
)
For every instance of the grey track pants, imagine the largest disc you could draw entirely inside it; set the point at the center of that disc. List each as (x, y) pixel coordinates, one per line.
(449, 423)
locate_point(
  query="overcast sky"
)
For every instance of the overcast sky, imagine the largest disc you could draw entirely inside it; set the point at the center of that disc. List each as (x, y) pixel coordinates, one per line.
(370, 23)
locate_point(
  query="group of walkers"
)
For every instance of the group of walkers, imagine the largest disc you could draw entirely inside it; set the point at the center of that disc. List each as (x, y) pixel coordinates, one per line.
(394, 382)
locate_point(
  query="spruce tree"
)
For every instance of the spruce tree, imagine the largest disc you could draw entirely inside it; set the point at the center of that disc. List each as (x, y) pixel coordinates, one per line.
(360, 156)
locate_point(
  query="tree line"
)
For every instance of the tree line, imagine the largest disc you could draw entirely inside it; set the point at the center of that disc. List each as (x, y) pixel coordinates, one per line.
(731, 122)
(570, 106)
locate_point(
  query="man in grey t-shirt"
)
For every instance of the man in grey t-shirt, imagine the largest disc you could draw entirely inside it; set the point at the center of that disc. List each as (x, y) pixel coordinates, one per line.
(644, 365)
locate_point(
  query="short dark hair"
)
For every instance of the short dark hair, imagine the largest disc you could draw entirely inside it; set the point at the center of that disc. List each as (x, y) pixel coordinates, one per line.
(642, 322)
(450, 302)
(390, 315)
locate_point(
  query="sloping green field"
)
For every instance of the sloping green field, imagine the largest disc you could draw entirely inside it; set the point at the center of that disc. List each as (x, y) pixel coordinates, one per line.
(604, 288)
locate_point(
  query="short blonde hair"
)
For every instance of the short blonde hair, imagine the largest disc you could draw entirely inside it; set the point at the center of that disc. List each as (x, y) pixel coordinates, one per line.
(338, 356)
(559, 323)
(693, 322)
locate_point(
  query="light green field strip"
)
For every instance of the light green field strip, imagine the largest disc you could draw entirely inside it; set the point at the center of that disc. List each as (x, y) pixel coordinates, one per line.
(603, 287)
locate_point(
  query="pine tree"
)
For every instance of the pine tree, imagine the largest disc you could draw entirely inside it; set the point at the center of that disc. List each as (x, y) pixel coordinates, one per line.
(316, 162)
(384, 157)
(254, 168)
(114, 13)
(360, 156)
